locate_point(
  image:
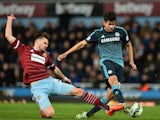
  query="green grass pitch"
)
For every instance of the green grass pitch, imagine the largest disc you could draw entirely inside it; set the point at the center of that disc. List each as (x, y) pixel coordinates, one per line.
(67, 111)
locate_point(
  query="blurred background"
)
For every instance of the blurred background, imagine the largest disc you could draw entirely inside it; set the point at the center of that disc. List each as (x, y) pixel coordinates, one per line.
(71, 22)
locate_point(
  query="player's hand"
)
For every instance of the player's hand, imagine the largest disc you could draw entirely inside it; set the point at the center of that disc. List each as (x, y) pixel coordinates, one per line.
(67, 80)
(62, 56)
(133, 66)
(11, 16)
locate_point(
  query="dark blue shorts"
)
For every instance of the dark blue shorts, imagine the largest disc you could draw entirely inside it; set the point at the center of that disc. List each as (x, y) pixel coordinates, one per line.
(110, 68)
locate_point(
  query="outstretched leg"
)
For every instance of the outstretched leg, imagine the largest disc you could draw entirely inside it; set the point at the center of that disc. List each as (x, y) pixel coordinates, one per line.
(89, 98)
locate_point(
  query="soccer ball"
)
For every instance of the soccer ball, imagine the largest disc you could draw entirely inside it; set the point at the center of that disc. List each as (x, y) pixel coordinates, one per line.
(135, 110)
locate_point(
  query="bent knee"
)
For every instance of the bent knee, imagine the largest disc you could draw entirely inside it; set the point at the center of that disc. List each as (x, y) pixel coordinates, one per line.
(49, 112)
(113, 80)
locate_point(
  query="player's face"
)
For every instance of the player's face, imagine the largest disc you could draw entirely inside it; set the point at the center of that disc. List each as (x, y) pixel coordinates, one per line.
(109, 25)
(43, 44)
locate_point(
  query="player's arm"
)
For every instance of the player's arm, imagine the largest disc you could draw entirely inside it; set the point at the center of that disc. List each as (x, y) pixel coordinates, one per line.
(59, 73)
(76, 47)
(130, 54)
(8, 30)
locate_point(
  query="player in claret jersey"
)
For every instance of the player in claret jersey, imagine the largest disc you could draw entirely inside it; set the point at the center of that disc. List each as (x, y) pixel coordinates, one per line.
(109, 40)
(35, 61)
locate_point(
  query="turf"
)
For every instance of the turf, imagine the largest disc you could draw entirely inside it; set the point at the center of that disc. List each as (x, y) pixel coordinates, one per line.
(67, 111)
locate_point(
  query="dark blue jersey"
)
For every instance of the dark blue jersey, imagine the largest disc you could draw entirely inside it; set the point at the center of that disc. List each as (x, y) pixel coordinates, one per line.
(110, 43)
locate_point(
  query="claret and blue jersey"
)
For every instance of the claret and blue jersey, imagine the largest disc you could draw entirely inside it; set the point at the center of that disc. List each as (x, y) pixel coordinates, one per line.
(110, 43)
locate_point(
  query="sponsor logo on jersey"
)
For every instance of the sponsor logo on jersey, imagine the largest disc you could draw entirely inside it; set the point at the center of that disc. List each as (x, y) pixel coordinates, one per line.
(127, 38)
(88, 38)
(37, 58)
(38, 97)
(112, 39)
(102, 36)
(110, 72)
(117, 34)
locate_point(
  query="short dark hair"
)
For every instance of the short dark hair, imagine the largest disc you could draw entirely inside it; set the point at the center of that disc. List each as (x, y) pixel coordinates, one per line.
(42, 34)
(111, 16)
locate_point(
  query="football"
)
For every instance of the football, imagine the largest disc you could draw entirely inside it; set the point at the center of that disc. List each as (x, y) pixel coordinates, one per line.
(135, 110)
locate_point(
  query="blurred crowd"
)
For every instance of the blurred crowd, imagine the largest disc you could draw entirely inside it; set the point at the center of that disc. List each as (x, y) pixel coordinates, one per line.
(83, 66)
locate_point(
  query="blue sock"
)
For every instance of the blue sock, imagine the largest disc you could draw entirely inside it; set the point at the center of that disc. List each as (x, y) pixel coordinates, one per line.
(104, 100)
(118, 94)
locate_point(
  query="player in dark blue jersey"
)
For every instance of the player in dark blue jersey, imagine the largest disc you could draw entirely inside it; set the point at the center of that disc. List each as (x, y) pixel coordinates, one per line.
(109, 39)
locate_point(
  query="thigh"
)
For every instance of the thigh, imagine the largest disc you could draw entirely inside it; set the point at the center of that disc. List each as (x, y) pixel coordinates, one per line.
(108, 68)
(45, 103)
(60, 88)
(40, 95)
(119, 72)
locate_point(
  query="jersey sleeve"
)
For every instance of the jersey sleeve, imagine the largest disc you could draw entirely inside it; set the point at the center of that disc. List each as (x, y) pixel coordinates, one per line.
(92, 38)
(18, 46)
(50, 63)
(125, 36)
